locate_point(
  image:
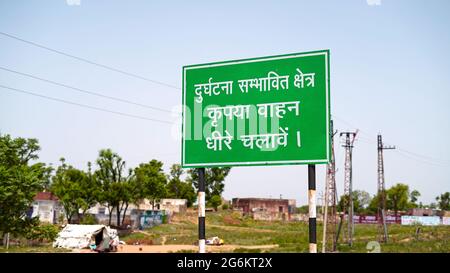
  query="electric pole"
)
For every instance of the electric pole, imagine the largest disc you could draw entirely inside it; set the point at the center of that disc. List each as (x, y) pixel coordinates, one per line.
(348, 187)
(329, 214)
(381, 214)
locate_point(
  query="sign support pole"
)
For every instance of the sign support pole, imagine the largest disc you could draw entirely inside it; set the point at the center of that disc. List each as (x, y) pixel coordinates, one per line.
(201, 210)
(312, 208)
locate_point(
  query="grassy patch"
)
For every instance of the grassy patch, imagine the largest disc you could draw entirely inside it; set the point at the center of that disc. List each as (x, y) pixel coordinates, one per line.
(47, 248)
(291, 236)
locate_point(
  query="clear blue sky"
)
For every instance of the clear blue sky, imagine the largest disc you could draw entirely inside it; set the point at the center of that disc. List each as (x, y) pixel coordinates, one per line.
(389, 73)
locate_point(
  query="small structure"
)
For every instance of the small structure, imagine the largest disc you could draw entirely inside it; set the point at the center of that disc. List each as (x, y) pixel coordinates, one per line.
(47, 207)
(422, 212)
(172, 205)
(134, 213)
(151, 218)
(96, 237)
(264, 208)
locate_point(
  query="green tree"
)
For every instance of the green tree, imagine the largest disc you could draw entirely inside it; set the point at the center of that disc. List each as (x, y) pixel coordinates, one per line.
(67, 187)
(215, 201)
(372, 208)
(91, 189)
(77, 190)
(112, 180)
(176, 188)
(302, 209)
(361, 199)
(214, 180)
(20, 181)
(444, 201)
(133, 193)
(397, 198)
(414, 196)
(153, 180)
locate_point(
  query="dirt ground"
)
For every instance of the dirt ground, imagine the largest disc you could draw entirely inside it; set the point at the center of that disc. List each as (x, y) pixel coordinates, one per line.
(175, 248)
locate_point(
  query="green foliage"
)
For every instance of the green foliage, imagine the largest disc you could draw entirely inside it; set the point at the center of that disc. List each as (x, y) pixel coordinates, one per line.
(414, 196)
(176, 188)
(397, 197)
(75, 189)
(20, 182)
(444, 201)
(302, 209)
(361, 199)
(372, 209)
(153, 180)
(88, 219)
(214, 180)
(113, 183)
(43, 232)
(215, 201)
(225, 206)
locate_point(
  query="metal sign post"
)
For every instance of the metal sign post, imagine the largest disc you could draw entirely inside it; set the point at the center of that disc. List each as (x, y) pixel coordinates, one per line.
(201, 210)
(272, 110)
(312, 208)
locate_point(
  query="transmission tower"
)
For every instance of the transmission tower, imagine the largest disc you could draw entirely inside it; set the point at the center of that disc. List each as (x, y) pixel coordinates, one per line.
(382, 228)
(348, 200)
(329, 221)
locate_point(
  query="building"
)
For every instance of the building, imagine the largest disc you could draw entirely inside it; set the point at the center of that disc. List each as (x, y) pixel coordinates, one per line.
(173, 205)
(292, 206)
(422, 212)
(47, 207)
(264, 208)
(134, 213)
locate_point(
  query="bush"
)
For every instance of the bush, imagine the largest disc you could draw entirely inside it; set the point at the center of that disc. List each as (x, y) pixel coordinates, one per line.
(44, 232)
(88, 219)
(225, 206)
(215, 201)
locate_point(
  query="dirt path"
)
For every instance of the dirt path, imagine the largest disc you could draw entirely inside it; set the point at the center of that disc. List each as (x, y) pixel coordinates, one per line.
(175, 248)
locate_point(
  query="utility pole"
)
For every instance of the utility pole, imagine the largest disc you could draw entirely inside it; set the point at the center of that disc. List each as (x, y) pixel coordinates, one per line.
(348, 187)
(381, 215)
(312, 208)
(329, 215)
(201, 211)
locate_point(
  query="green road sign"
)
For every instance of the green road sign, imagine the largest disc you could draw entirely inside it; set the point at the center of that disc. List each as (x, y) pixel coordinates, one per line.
(263, 111)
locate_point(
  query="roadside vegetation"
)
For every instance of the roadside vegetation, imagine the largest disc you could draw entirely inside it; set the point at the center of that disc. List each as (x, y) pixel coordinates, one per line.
(290, 236)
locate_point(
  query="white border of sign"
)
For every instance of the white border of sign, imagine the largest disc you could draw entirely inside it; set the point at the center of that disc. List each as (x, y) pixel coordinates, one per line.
(277, 162)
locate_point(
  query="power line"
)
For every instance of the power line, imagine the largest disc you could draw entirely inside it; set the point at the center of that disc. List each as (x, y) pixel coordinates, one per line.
(436, 164)
(83, 105)
(409, 155)
(90, 62)
(419, 157)
(425, 157)
(84, 91)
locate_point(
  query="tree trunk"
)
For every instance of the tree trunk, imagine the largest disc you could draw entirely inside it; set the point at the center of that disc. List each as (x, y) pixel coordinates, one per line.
(395, 209)
(118, 216)
(7, 240)
(110, 214)
(124, 212)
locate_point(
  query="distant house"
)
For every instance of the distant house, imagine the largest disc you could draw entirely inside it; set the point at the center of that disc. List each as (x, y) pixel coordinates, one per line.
(173, 205)
(265, 208)
(134, 214)
(422, 212)
(47, 207)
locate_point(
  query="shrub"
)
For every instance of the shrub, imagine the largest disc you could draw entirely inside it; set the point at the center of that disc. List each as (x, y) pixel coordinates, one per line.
(44, 232)
(225, 206)
(88, 219)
